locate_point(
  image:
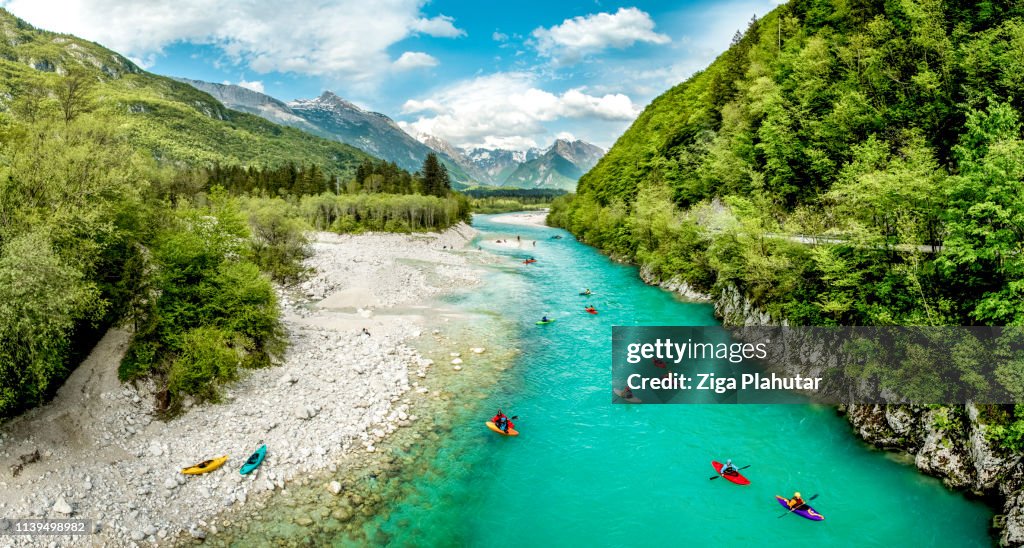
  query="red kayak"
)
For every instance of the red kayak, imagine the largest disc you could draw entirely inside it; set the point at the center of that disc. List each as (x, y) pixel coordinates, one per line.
(529, 261)
(735, 477)
(591, 310)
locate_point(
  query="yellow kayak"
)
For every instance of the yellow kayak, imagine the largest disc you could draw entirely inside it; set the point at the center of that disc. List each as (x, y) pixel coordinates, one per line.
(494, 427)
(206, 466)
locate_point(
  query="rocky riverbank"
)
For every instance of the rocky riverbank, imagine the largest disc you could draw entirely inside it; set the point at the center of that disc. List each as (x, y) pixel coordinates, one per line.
(99, 452)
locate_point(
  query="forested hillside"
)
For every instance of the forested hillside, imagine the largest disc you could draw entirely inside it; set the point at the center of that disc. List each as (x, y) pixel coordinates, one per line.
(894, 126)
(844, 162)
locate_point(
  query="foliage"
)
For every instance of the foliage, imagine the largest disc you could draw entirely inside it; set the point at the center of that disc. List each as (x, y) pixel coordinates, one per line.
(504, 205)
(387, 212)
(525, 195)
(435, 181)
(502, 200)
(278, 243)
(202, 283)
(1009, 433)
(41, 299)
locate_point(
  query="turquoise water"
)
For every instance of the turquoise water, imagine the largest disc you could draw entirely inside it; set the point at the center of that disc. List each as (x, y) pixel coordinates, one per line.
(586, 472)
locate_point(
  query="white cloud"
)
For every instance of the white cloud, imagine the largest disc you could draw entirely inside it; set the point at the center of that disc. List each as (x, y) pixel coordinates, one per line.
(499, 36)
(415, 59)
(341, 39)
(594, 33)
(413, 106)
(509, 108)
(256, 85)
(514, 142)
(565, 136)
(441, 26)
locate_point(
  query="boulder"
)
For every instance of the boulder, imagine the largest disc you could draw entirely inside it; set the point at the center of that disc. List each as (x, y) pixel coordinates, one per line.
(334, 487)
(62, 507)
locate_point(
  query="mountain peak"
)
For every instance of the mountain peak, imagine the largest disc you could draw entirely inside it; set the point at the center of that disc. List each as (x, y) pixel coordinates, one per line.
(331, 100)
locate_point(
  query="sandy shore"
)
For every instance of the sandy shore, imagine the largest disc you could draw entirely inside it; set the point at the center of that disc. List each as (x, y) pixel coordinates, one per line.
(523, 218)
(526, 218)
(104, 456)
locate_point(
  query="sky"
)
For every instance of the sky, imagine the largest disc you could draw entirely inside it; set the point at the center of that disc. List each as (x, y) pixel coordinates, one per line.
(493, 74)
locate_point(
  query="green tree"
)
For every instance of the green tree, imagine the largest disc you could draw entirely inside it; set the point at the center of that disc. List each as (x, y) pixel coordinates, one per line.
(74, 93)
(41, 300)
(435, 177)
(985, 246)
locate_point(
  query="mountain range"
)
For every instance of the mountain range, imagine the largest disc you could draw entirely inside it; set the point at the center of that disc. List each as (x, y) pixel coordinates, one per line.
(559, 166)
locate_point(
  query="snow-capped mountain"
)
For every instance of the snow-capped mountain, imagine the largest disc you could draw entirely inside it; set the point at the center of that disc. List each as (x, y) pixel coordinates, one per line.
(558, 166)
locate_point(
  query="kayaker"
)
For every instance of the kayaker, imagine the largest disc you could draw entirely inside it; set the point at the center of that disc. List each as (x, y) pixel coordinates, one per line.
(587, 291)
(729, 469)
(501, 421)
(545, 319)
(796, 502)
(627, 393)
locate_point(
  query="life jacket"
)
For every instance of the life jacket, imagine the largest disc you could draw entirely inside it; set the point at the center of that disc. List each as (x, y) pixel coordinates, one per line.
(497, 418)
(796, 503)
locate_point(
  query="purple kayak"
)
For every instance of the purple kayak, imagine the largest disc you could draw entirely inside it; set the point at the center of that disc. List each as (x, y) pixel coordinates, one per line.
(804, 511)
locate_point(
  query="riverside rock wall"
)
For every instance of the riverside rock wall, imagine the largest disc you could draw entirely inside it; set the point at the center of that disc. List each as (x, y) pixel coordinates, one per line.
(945, 442)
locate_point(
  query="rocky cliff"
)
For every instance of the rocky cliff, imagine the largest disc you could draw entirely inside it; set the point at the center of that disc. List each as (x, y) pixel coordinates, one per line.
(947, 442)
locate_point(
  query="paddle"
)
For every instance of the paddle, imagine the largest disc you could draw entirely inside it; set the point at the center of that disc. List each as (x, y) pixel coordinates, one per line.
(814, 496)
(738, 469)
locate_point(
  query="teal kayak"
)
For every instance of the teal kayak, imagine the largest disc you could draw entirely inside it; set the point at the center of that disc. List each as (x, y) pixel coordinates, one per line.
(254, 461)
(542, 322)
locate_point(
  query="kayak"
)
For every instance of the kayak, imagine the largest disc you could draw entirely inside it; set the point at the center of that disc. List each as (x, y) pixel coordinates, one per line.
(735, 477)
(634, 399)
(804, 511)
(254, 461)
(586, 294)
(205, 466)
(591, 310)
(542, 322)
(494, 427)
(529, 261)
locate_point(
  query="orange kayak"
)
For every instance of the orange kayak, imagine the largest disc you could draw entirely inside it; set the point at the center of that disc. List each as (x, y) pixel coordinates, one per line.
(494, 427)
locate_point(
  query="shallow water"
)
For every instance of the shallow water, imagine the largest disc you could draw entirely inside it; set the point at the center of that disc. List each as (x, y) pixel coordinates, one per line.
(587, 472)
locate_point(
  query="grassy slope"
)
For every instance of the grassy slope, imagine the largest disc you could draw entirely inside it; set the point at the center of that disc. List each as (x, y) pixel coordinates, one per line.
(174, 120)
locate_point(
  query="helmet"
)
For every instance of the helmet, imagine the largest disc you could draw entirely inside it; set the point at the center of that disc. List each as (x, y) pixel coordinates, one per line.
(728, 461)
(796, 495)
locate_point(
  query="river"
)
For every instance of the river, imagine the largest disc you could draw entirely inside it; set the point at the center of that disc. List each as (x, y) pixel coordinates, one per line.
(586, 472)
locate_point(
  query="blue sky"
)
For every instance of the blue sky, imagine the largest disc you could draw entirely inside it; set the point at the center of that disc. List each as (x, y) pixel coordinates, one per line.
(508, 74)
